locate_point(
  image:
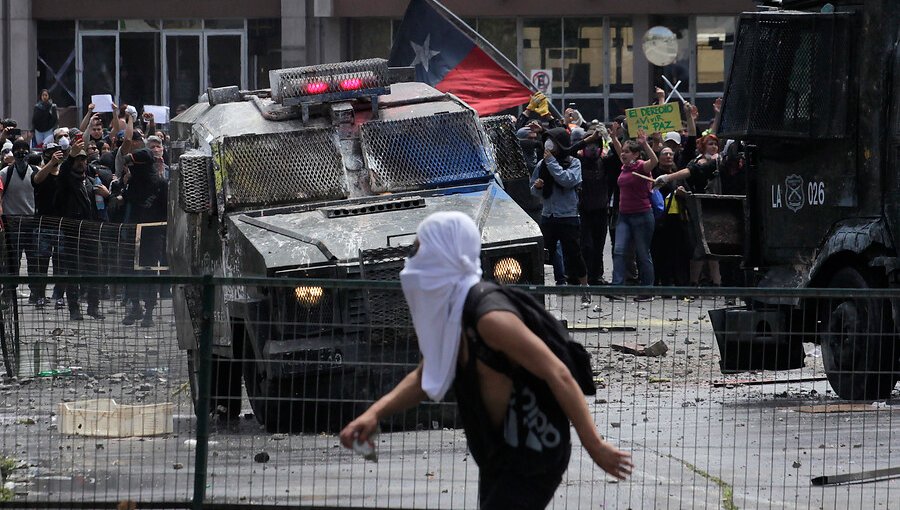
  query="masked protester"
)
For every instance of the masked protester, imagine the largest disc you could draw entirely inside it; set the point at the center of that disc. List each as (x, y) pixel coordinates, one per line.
(75, 201)
(48, 236)
(145, 199)
(556, 179)
(519, 466)
(18, 214)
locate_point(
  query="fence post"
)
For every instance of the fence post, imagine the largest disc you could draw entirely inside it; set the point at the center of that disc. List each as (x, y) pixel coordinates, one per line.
(204, 348)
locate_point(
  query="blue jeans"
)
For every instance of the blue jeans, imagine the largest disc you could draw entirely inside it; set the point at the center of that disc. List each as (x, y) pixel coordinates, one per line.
(639, 228)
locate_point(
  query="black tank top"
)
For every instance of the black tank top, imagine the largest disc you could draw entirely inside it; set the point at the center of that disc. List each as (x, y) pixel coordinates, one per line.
(534, 437)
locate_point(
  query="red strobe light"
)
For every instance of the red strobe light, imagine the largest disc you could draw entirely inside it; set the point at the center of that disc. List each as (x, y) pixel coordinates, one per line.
(317, 87)
(351, 84)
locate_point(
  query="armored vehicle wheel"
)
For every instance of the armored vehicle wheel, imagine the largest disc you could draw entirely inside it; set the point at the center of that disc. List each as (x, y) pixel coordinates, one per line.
(225, 400)
(9, 330)
(859, 347)
(313, 403)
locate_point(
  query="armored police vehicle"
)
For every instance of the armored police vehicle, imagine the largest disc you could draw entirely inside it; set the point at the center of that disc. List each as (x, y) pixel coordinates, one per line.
(327, 175)
(814, 94)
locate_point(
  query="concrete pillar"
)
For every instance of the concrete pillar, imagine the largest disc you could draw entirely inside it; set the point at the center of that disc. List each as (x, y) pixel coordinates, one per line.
(643, 82)
(18, 60)
(294, 33)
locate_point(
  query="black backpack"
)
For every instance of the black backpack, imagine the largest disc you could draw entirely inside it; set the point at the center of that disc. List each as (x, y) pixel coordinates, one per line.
(542, 324)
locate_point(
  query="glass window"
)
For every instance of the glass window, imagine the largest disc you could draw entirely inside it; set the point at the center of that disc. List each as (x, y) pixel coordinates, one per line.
(370, 38)
(264, 49)
(621, 65)
(183, 58)
(680, 70)
(98, 54)
(223, 69)
(501, 32)
(138, 25)
(618, 105)
(224, 23)
(542, 48)
(715, 45)
(56, 60)
(183, 24)
(98, 25)
(590, 108)
(583, 55)
(139, 68)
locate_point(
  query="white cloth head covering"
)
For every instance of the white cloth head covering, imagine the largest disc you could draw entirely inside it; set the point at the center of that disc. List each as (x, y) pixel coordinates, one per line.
(435, 283)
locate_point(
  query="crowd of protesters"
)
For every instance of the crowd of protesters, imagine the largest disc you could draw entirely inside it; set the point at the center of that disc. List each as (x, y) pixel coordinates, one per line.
(113, 167)
(593, 179)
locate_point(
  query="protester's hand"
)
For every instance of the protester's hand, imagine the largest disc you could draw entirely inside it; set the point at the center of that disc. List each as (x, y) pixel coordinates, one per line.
(547, 155)
(77, 145)
(148, 116)
(717, 105)
(593, 137)
(695, 113)
(660, 93)
(612, 460)
(56, 157)
(660, 181)
(113, 106)
(681, 192)
(539, 184)
(615, 128)
(535, 126)
(92, 106)
(641, 136)
(360, 429)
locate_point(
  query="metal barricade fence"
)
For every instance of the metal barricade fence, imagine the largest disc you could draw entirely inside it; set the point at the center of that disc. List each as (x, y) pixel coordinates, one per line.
(280, 365)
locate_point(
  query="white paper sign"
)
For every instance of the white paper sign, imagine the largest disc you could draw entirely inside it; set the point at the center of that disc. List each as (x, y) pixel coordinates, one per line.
(160, 113)
(543, 80)
(102, 103)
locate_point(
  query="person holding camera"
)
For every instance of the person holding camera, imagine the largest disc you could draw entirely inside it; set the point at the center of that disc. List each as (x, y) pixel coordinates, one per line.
(44, 118)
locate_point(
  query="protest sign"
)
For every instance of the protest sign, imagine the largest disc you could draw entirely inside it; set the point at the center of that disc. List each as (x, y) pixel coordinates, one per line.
(102, 103)
(652, 119)
(160, 113)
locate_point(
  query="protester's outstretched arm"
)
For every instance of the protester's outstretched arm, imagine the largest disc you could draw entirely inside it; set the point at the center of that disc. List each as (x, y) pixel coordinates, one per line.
(48, 168)
(660, 96)
(129, 132)
(691, 114)
(505, 332)
(405, 395)
(86, 121)
(652, 160)
(717, 107)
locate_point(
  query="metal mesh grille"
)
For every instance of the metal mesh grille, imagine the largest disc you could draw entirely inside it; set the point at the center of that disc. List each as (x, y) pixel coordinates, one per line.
(272, 168)
(194, 191)
(504, 148)
(406, 154)
(780, 62)
(387, 310)
(293, 82)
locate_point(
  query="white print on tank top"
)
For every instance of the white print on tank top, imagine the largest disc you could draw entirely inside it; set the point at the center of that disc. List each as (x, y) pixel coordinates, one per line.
(540, 432)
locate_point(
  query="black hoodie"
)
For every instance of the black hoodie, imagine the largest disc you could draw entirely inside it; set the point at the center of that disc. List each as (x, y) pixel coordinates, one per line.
(147, 190)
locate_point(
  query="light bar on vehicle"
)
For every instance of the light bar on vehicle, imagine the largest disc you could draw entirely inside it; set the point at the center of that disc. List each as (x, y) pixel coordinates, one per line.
(329, 82)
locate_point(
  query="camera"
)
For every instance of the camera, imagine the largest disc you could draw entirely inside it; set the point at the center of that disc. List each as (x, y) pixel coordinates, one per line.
(14, 133)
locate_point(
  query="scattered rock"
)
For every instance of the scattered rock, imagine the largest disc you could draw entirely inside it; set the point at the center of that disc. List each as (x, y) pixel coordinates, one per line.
(178, 465)
(279, 437)
(796, 464)
(261, 457)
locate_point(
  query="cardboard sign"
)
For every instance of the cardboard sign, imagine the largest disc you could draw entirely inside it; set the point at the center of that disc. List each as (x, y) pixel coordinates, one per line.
(543, 80)
(652, 119)
(160, 113)
(102, 103)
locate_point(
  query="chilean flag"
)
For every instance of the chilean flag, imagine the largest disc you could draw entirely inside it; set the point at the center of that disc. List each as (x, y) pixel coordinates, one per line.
(449, 60)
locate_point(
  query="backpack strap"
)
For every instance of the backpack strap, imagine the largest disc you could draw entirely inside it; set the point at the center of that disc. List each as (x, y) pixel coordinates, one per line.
(494, 359)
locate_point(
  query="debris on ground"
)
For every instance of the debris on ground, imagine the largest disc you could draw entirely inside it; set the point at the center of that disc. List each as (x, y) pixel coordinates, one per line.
(656, 349)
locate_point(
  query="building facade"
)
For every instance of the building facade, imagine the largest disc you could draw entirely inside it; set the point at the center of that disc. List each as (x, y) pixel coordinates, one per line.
(168, 52)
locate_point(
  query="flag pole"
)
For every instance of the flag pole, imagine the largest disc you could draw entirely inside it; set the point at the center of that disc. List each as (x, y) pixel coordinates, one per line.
(496, 54)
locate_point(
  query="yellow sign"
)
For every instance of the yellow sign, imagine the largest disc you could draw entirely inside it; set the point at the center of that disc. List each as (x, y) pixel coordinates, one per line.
(653, 119)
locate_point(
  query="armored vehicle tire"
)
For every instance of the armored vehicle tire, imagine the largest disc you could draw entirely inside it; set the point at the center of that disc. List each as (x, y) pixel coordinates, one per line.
(313, 403)
(859, 347)
(225, 400)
